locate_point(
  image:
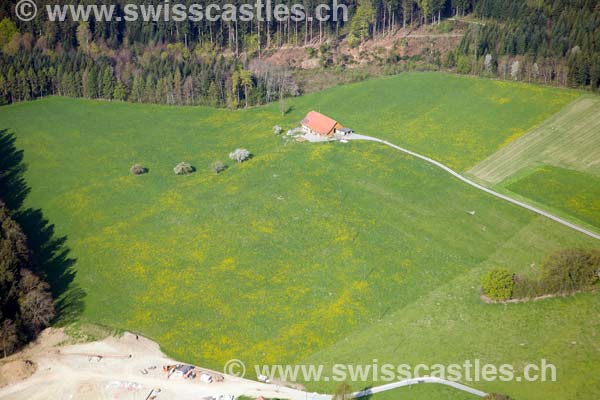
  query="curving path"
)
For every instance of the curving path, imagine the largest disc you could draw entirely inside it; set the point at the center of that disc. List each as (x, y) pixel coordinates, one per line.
(568, 224)
(414, 381)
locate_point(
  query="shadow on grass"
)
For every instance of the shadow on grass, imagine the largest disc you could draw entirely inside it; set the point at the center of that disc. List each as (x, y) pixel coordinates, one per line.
(49, 253)
(13, 189)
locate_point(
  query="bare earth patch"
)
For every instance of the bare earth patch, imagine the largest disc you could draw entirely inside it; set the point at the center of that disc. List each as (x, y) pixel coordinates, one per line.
(16, 370)
(129, 367)
(405, 42)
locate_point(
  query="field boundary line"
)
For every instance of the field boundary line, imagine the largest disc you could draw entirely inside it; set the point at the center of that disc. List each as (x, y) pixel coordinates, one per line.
(438, 164)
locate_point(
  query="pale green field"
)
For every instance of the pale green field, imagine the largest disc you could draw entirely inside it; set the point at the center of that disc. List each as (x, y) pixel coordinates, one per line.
(570, 139)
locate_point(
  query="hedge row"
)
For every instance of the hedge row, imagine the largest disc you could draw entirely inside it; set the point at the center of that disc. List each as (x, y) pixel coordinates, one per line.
(563, 272)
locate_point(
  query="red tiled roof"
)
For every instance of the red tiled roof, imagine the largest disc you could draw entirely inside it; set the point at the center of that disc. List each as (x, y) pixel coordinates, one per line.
(319, 122)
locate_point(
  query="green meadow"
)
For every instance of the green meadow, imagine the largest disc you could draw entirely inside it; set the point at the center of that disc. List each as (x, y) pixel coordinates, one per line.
(310, 252)
(571, 192)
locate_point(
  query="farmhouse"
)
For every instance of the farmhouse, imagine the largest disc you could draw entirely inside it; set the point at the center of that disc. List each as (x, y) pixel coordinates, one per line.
(318, 124)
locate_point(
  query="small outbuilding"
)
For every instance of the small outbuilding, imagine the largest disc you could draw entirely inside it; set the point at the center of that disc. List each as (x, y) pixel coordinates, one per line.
(343, 131)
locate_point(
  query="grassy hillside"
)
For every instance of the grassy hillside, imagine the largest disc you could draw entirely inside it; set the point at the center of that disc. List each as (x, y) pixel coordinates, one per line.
(307, 251)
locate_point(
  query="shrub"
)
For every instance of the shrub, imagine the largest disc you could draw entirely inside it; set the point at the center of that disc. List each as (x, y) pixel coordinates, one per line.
(526, 288)
(498, 284)
(569, 270)
(445, 27)
(353, 40)
(183, 168)
(450, 61)
(217, 167)
(138, 169)
(463, 65)
(239, 155)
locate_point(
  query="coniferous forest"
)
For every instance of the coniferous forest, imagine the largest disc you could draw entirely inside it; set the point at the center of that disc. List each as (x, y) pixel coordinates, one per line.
(550, 32)
(218, 63)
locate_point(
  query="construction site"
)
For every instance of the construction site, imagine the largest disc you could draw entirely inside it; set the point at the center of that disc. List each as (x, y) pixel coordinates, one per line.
(124, 367)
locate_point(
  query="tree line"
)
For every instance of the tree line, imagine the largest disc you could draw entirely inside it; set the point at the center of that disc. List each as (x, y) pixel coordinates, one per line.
(26, 304)
(205, 62)
(164, 74)
(218, 63)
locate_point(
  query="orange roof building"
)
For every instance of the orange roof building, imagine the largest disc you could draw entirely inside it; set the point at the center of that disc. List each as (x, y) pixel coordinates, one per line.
(319, 124)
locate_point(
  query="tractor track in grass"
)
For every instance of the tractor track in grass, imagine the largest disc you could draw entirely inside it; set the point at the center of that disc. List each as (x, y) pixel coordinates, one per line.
(355, 136)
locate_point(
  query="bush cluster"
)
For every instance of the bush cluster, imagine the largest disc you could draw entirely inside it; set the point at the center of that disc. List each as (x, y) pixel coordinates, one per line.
(570, 270)
(239, 155)
(526, 288)
(498, 284)
(137, 169)
(217, 167)
(183, 168)
(564, 272)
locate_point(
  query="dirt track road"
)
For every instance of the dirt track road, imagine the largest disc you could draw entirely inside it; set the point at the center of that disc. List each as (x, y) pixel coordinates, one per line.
(568, 224)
